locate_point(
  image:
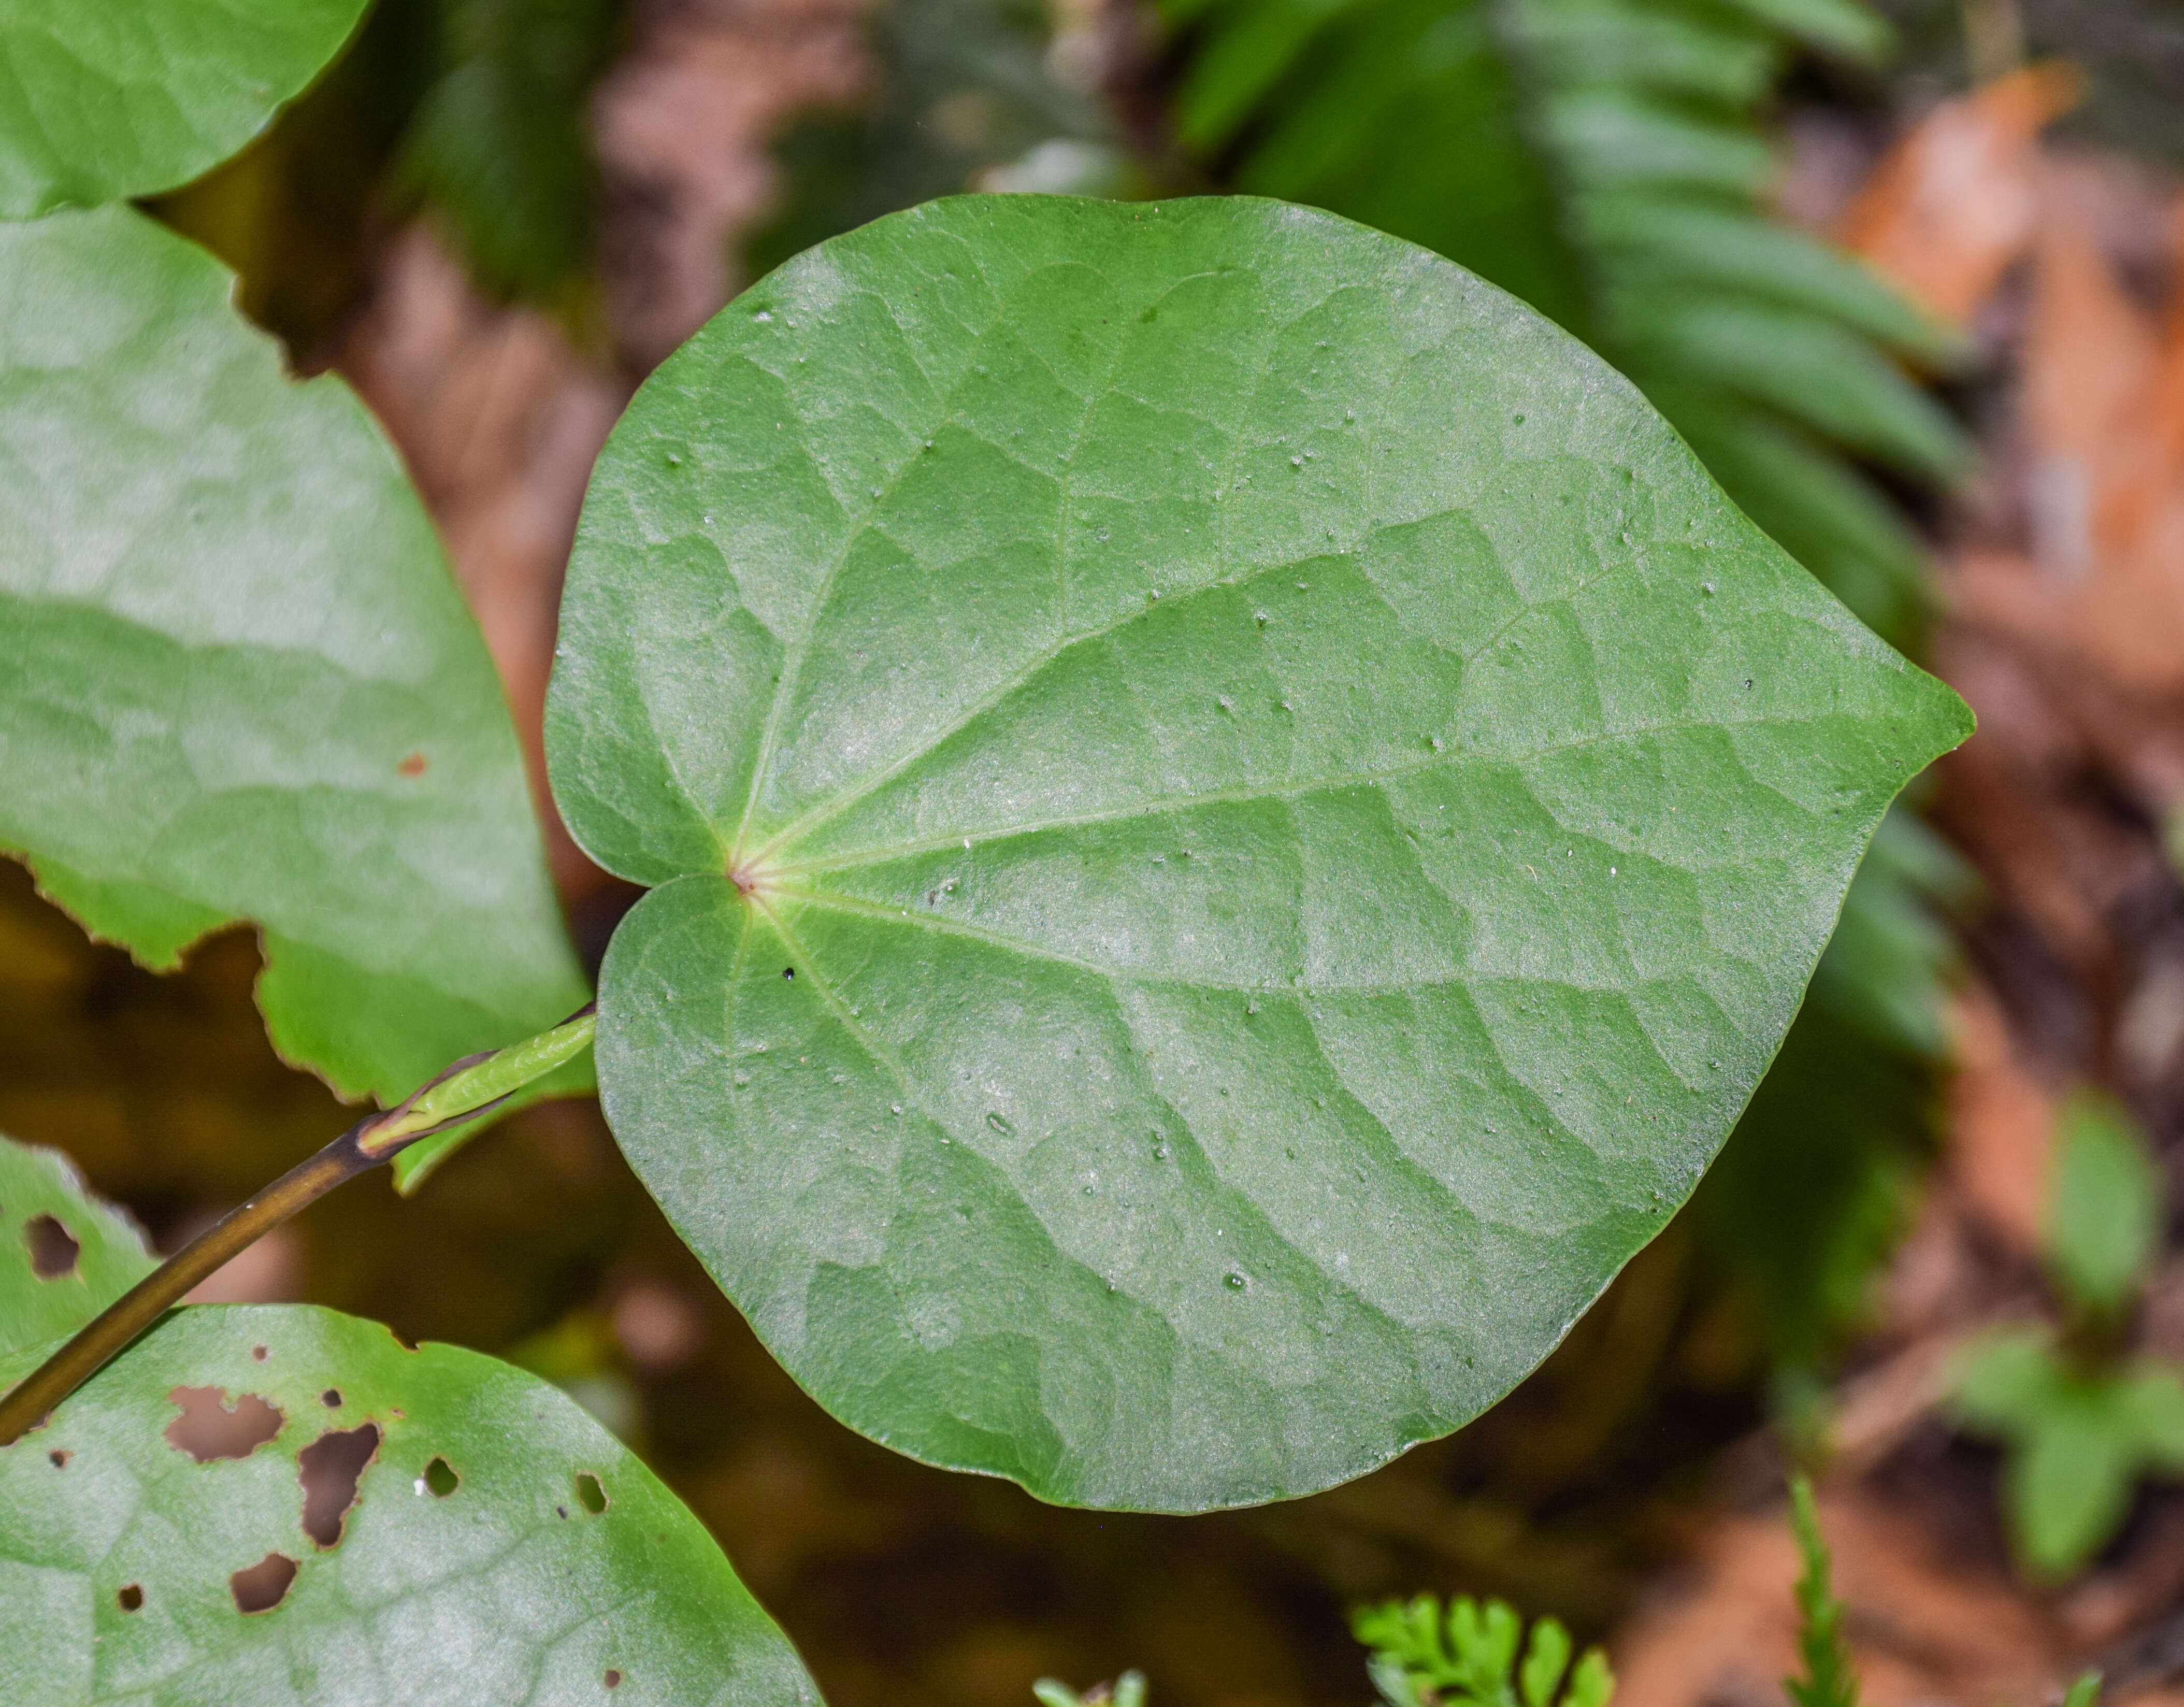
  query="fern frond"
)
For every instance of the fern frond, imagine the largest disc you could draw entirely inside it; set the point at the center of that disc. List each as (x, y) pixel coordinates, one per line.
(1829, 1681)
(498, 145)
(1468, 1655)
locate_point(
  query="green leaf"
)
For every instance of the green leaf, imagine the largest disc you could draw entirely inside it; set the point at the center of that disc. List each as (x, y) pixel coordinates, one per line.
(2077, 1442)
(1244, 64)
(1668, 244)
(2104, 1210)
(2155, 1399)
(501, 1546)
(105, 102)
(1664, 50)
(1235, 821)
(2004, 1381)
(64, 1256)
(1467, 1658)
(1845, 27)
(1545, 1658)
(2069, 1482)
(240, 684)
(1828, 516)
(1591, 1682)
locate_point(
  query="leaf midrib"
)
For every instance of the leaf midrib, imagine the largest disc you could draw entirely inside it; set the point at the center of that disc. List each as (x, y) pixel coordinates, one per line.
(863, 858)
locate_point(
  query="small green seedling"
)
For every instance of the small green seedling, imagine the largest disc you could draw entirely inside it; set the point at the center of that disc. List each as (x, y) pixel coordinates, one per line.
(2081, 1419)
(1126, 1691)
(1829, 1680)
(1469, 1657)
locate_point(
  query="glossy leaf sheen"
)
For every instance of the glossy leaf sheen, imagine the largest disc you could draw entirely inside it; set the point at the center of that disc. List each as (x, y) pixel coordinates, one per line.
(41, 1187)
(505, 1589)
(1283, 817)
(236, 680)
(105, 100)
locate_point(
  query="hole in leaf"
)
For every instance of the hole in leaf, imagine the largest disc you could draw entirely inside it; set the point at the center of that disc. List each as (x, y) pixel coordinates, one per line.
(131, 1598)
(440, 1478)
(613, 1679)
(59, 1456)
(53, 1248)
(264, 1586)
(590, 1494)
(257, 1352)
(329, 1468)
(789, 972)
(210, 1427)
(330, 1398)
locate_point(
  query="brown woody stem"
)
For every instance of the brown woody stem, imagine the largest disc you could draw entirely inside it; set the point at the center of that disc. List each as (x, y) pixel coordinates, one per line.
(470, 1087)
(143, 1303)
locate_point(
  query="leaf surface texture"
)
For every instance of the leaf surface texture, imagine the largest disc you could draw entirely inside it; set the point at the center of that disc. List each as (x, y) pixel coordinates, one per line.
(236, 679)
(1232, 818)
(102, 102)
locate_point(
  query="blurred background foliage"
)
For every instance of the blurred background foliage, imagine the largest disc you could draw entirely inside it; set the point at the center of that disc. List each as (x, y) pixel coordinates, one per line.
(1616, 162)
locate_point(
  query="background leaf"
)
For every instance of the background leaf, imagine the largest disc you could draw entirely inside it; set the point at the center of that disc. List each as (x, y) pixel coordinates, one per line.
(501, 1547)
(241, 683)
(64, 1256)
(1283, 817)
(500, 144)
(107, 102)
(2105, 1215)
(2078, 1439)
(963, 88)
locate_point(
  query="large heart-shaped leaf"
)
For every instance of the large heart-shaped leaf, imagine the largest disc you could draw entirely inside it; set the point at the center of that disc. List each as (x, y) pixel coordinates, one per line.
(283, 1503)
(236, 680)
(64, 1256)
(104, 101)
(1234, 820)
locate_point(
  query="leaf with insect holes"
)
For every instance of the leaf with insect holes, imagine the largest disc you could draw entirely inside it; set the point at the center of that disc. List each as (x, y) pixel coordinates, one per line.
(106, 102)
(1232, 818)
(64, 1256)
(238, 680)
(276, 1502)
